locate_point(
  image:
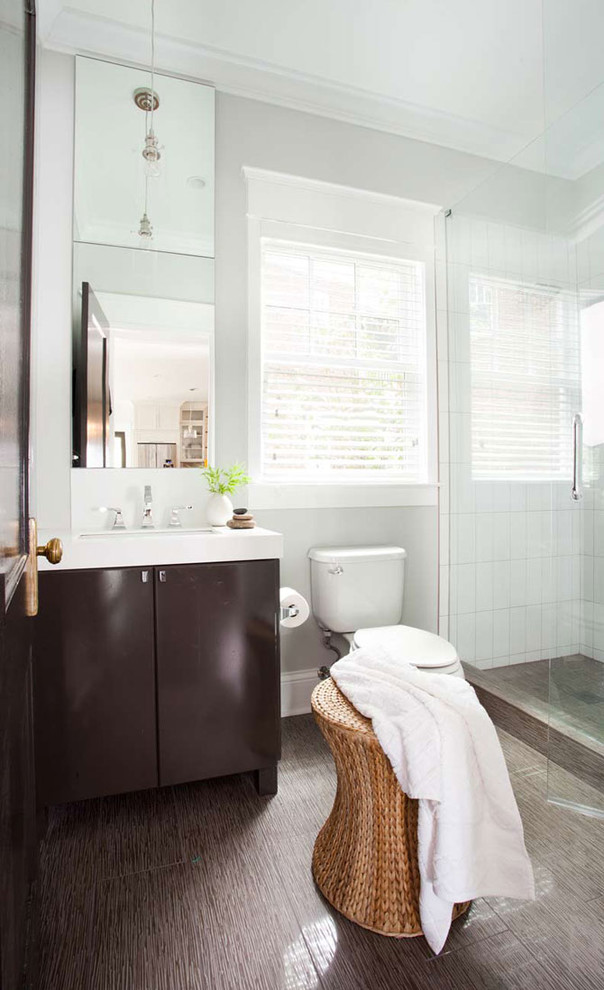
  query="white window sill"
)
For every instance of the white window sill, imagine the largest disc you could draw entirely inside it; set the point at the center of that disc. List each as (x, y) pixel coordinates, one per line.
(316, 496)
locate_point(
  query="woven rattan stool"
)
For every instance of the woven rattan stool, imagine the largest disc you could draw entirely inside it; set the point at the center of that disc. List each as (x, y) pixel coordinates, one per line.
(365, 857)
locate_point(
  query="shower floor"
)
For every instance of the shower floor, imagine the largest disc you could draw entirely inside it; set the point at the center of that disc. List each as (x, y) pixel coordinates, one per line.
(576, 686)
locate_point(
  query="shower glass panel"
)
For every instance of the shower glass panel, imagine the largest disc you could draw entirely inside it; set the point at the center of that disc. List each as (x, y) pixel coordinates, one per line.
(574, 161)
(516, 602)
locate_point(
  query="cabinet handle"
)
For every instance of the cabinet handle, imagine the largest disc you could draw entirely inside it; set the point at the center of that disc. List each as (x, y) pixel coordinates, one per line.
(162, 577)
(144, 576)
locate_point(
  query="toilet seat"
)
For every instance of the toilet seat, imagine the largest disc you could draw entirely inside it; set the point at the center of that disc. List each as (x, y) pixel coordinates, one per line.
(421, 649)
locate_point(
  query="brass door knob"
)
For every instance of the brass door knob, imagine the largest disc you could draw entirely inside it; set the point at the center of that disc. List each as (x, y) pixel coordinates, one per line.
(53, 551)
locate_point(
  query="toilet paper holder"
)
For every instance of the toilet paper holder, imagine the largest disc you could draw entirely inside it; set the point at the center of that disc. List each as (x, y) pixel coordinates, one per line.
(289, 612)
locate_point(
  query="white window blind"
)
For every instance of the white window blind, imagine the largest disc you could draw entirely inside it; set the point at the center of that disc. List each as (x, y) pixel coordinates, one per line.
(343, 366)
(525, 379)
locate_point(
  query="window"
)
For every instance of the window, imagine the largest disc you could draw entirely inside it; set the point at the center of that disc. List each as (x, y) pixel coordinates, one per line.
(343, 366)
(525, 371)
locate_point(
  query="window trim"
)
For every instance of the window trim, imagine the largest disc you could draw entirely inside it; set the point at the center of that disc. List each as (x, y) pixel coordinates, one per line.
(268, 494)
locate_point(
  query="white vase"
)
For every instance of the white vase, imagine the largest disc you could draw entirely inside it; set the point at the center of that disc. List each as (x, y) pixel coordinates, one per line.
(219, 510)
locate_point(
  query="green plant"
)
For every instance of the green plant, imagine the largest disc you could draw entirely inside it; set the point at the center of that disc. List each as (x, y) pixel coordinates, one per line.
(225, 481)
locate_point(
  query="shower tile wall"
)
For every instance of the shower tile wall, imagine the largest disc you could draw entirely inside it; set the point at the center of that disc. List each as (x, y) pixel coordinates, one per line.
(511, 551)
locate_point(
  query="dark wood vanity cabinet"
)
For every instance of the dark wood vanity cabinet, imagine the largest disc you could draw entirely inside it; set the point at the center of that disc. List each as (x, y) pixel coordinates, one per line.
(94, 684)
(146, 677)
(217, 669)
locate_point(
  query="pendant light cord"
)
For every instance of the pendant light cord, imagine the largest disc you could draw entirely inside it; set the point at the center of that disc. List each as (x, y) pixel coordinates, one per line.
(152, 61)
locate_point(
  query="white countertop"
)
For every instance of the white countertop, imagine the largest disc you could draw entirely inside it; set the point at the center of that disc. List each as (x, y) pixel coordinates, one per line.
(156, 547)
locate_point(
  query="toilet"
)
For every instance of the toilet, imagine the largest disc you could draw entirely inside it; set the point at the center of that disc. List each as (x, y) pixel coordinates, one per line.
(358, 592)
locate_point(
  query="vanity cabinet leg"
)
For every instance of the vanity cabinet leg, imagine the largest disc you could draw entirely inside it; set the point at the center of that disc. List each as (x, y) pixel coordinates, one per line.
(266, 780)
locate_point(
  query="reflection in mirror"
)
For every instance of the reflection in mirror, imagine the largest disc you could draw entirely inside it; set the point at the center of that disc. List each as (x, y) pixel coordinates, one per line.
(114, 186)
(143, 320)
(142, 381)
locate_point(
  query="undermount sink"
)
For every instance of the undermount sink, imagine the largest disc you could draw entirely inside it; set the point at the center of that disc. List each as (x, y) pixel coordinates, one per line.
(157, 531)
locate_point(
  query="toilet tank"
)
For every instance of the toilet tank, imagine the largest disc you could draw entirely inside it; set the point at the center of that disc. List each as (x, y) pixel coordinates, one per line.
(357, 587)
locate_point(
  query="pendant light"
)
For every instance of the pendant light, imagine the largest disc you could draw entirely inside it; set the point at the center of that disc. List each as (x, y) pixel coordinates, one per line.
(148, 100)
(151, 152)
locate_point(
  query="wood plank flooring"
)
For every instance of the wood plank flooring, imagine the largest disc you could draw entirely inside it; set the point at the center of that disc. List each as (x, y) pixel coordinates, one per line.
(208, 887)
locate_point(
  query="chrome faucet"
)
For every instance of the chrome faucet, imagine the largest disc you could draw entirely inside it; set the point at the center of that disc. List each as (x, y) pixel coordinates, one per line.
(147, 522)
(118, 519)
(175, 511)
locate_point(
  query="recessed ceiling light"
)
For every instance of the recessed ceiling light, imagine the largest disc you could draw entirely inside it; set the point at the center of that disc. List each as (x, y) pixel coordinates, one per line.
(196, 182)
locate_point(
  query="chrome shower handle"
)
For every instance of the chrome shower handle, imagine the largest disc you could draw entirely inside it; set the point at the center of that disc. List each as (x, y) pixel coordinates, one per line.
(577, 489)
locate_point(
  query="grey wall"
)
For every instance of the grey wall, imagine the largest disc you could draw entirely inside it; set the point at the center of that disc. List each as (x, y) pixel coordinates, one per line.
(414, 528)
(265, 136)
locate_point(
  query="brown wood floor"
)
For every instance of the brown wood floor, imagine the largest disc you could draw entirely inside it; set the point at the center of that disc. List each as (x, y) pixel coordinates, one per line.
(208, 887)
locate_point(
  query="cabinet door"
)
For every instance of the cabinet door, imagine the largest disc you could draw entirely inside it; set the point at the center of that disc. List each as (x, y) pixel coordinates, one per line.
(218, 673)
(94, 684)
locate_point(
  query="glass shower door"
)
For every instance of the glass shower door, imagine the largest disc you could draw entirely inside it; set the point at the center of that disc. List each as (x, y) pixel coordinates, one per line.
(575, 763)
(574, 167)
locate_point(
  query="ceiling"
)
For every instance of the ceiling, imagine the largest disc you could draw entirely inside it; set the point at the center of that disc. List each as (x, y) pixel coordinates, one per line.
(481, 76)
(153, 369)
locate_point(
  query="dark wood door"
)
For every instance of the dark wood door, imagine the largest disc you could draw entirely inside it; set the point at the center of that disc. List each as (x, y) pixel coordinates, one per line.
(94, 691)
(17, 810)
(217, 669)
(91, 398)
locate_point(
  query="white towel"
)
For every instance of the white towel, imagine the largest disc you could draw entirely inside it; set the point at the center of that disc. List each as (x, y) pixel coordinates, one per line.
(444, 750)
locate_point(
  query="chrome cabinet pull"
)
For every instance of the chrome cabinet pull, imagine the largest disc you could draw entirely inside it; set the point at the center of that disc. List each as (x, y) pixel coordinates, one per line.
(577, 489)
(144, 576)
(162, 577)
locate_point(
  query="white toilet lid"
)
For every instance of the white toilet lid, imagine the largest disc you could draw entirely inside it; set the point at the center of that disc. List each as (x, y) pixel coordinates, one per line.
(414, 646)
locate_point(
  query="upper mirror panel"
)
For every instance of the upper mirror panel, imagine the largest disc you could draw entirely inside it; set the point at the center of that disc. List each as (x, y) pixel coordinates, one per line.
(115, 187)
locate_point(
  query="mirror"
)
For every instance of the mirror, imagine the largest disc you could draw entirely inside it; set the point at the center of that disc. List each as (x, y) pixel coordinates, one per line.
(143, 304)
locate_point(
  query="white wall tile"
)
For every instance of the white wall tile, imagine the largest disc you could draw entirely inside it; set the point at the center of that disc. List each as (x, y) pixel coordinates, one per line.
(548, 579)
(598, 585)
(564, 578)
(563, 523)
(517, 630)
(466, 588)
(557, 625)
(463, 543)
(484, 536)
(443, 589)
(501, 535)
(501, 632)
(501, 584)
(539, 497)
(518, 572)
(501, 497)
(484, 586)
(466, 636)
(587, 578)
(484, 496)
(533, 627)
(444, 538)
(518, 497)
(533, 581)
(484, 636)
(518, 534)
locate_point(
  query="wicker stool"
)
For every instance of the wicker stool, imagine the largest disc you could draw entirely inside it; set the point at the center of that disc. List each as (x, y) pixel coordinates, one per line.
(365, 857)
